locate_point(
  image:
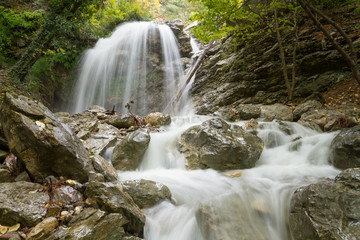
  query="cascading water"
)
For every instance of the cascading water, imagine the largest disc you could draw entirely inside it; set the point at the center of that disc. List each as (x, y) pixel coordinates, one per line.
(139, 62)
(211, 206)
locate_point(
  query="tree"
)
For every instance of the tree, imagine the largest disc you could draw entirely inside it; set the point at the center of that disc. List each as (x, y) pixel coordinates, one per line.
(351, 56)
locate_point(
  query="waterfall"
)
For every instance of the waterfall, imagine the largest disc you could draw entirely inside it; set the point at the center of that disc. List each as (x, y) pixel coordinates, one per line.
(139, 63)
(253, 206)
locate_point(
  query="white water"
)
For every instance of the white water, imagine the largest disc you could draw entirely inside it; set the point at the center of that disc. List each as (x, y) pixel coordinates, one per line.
(253, 206)
(118, 69)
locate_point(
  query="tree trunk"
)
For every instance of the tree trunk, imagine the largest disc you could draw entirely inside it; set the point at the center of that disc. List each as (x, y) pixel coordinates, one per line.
(350, 58)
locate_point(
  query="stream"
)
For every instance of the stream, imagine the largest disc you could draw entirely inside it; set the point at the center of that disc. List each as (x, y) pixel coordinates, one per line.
(208, 205)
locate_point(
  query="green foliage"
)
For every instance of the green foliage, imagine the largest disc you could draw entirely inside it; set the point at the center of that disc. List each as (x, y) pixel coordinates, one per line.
(15, 26)
(39, 71)
(172, 9)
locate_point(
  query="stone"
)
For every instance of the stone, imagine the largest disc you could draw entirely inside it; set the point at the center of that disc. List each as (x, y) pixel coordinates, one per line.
(106, 136)
(250, 125)
(82, 124)
(158, 119)
(227, 217)
(328, 209)
(43, 229)
(306, 107)
(104, 167)
(22, 202)
(215, 144)
(45, 145)
(127, 154)
(233, 174)
(229, 114)
(113, 199)
(345, 149)
(67, 195)
(323, 117)
(276, 111)
(248, 111)
(5, 176)
(23, 176)
(146, 193)
(121, 121)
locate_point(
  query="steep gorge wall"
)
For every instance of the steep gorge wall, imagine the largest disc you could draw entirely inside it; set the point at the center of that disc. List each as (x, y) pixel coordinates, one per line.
(253, 74)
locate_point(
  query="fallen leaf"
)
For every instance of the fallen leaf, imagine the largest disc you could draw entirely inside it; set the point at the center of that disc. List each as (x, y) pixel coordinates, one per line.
(14, 228)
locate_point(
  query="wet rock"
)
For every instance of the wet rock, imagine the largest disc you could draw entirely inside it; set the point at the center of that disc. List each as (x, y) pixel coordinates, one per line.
(215, 144)
(67, 195)
(3, 155)
(328, 209)
(305, 107)
(22, 202)
(233, 174)
(5, 176)
(45, 145)
(250, 125)
(43, 229)
(93, 224)
(112, 199)
(345, 149)
(158, 119)
(229, 114)
(326, 119)
(106, 136)
(227, 217)
(248, 111)
(177, 26)
(105, 168)
(146, 193)
(121, 121)
(82, 124)
(128, 153)
(276, 111)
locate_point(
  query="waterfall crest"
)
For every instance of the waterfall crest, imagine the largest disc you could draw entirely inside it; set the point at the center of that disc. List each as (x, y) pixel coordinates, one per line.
(139, 62)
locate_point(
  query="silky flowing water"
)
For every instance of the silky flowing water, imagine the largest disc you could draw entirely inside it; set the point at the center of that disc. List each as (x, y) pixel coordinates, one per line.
(252, 206)
(206, 204)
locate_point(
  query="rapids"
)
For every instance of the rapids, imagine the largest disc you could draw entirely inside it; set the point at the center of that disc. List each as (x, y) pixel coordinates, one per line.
(253, 206)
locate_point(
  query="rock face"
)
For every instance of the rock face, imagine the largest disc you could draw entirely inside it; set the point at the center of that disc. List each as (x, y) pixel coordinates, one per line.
(22, 202)
(146, 193)
(345, 149)
(177, 26)
(112, 199)
(327, 210)
(215, 144)
(129, 152)
(41, 141)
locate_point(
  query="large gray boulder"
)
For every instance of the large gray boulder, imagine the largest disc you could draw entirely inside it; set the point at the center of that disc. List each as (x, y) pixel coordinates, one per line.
(22, 202)
(327, 210)
(45, 145)
(215, 144)
(345, 149)
(158, 119)
(112, 198)
(276, 111)
(128, 154)
(305, 107)
(146, 193)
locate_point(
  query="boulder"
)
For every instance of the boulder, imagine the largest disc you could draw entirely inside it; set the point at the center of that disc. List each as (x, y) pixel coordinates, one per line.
(146, 193)
(93, 224)
(305, 107)
(326, 119)
(104, 167)
(5, 176)
(215, 144)
(67, 195)
(158, 119)
(345, 149)
(328, 209)
(121, 121)
(229, 114)
(112, 199)
(82, 124)
(22, 202)
(248, 111)
(227, 217)
(276, 111)
(45, 145)
(43, 229)
(105, 136)
(128, 153)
